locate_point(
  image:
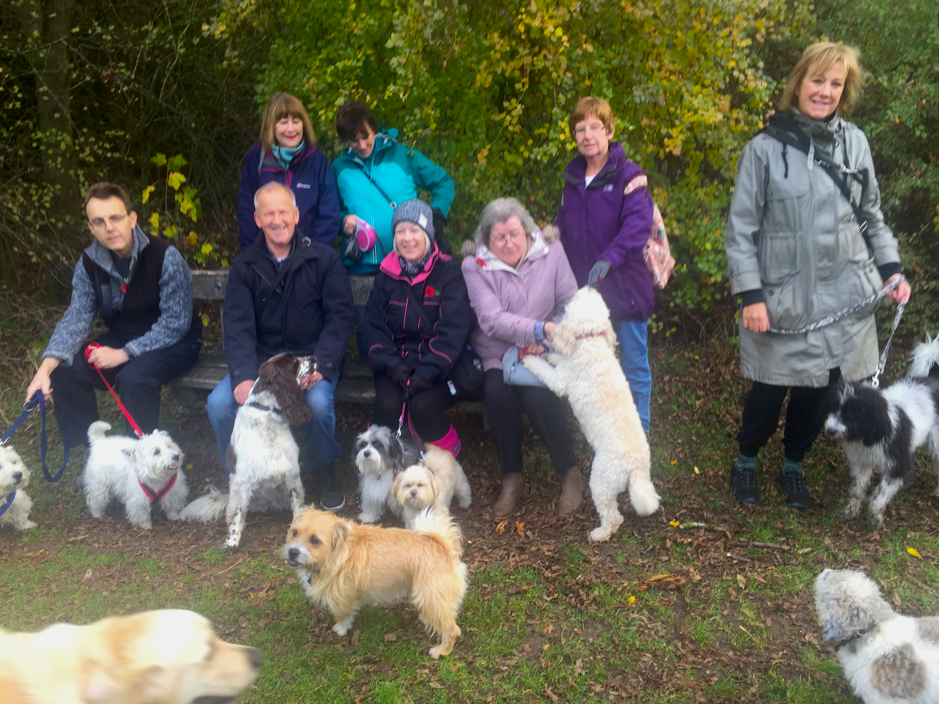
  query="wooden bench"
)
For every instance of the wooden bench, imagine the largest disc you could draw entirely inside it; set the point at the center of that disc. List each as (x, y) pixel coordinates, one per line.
(357, 384)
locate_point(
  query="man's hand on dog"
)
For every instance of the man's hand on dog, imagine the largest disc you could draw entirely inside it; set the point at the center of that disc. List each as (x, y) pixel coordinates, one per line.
(241, 392)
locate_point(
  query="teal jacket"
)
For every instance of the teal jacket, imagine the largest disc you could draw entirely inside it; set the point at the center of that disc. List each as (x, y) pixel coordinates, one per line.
(399, 171)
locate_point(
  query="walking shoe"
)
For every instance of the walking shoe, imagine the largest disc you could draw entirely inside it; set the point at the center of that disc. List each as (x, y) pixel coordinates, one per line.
(513, 486)
(330, 495)
(743, 484)
(797, 493)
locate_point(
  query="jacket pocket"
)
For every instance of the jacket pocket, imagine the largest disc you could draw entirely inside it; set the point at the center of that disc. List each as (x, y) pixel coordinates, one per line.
(865, 281)
(785, 303)
(780, 257)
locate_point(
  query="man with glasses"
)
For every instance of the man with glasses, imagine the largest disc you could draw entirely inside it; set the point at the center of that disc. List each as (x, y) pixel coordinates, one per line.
(141, 288)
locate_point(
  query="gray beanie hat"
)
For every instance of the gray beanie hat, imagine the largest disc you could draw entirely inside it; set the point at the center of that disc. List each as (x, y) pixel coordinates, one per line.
(416, 211)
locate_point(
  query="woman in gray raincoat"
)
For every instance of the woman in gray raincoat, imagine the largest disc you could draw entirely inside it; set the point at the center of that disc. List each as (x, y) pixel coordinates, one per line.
(796, 255)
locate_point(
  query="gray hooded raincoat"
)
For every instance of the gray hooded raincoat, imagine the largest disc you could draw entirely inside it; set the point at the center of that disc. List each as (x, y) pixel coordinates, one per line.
(792, 235)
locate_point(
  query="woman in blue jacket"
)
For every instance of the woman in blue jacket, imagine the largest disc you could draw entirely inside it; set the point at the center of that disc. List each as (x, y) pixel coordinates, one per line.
(287, 154)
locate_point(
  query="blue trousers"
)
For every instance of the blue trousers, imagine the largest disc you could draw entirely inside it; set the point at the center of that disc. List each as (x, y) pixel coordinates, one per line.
(322, 448)
(634, 358)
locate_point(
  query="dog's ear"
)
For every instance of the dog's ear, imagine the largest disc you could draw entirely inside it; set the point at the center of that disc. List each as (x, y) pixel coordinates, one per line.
(563, 339)
(610, 335)
(835, 627)
(434, 486)
(395, 485)
(130, 453)
(340, 533)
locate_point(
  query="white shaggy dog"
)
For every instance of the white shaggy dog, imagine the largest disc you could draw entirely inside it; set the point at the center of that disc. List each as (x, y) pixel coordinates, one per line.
(433, 482)
(135, 472)
(13, 479)
(880, 430)
(263, 457)
(380, 455)
(589, 375)
(887, 658)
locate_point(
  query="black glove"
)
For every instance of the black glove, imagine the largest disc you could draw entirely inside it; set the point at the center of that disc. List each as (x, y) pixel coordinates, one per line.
(352, 250)
(440, 224)
(599, 272)
(416, 384)
(399, 375)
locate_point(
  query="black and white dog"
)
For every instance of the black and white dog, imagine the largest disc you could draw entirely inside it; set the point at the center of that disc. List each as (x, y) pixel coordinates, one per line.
(380, 454)
(880, 430)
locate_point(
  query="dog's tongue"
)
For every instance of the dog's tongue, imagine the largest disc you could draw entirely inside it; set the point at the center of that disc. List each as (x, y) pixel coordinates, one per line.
(306, 380)
(174, 465)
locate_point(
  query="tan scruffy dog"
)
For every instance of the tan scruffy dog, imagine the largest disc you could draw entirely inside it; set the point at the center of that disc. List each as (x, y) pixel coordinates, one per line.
(345, 565)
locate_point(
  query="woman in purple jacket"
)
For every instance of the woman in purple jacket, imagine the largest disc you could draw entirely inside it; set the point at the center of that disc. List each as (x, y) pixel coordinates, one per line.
(519, 282)
(604, 232)
(287, 154)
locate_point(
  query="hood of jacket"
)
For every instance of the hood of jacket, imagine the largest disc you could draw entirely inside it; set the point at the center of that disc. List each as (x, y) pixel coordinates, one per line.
(391, 265)
(617, 165)
(384, 139)
(487, 261)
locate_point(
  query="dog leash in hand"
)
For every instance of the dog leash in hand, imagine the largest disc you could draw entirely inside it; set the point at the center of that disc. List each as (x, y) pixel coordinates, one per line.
(133, 424)
(882, 362)
(841, 314)
(39, 400)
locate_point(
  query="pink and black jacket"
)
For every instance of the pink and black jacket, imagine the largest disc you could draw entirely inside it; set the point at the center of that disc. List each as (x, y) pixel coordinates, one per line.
(394, 330)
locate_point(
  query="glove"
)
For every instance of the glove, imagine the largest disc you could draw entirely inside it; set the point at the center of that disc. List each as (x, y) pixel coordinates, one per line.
(599, 272)
(399, 375)
(416, 384)
(440, 223)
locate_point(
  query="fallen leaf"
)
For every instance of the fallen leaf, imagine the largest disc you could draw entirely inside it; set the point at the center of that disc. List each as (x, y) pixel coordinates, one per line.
(660, 577)
(391, 637)
(435, 684)
(551, 695)
(697, 471)
(631, 600)
(915, 553)
(674, 524)
(520, 528)
(500, 529)
(87, 575)
(579, 667)
(741, 580)
(896, 599)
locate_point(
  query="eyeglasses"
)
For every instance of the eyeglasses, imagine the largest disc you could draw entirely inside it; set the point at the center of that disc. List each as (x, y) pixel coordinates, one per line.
(115, 220)
(503, 239)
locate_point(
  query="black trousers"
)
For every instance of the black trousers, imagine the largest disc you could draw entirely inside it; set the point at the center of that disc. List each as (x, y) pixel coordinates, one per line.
(505, 405)
(425, 409)
(804, 416)
(137, 383)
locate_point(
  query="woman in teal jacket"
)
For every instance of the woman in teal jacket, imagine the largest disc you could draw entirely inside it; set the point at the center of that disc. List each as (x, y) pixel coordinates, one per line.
(373, 175)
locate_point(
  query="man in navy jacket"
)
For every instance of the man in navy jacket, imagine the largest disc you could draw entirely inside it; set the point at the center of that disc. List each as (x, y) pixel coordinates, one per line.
(310, 311)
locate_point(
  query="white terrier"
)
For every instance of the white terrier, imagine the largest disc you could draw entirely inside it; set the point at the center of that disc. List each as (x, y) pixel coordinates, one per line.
(13, 478)
(136, 472)
(434, 482)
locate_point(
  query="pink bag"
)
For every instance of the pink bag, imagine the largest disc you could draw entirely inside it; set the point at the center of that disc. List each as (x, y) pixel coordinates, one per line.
(657, 254)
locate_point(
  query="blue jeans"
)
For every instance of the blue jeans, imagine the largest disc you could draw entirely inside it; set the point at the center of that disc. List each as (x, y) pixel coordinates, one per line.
(322, 447)
(634, 358)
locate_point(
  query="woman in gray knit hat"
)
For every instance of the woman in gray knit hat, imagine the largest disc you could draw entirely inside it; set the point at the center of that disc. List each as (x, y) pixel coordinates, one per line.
(417, 321)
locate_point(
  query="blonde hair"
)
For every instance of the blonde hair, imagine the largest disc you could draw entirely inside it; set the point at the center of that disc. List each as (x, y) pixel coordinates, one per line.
(283, 105)
(593, 107)
(820, 57)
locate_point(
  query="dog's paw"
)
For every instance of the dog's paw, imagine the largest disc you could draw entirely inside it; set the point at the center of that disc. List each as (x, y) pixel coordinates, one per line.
(553, 358)
(27, 525)
(341, 629)
(233, 542)
(850, 510)
(600, 535)
(437, 651)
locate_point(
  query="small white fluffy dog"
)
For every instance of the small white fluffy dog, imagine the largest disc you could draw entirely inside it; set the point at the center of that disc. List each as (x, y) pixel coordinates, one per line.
(344, 565)
(135, 472)
(431, 483)
(263, 457)
(380, 455)
(887, 658)
(13, 478)
(587, 372)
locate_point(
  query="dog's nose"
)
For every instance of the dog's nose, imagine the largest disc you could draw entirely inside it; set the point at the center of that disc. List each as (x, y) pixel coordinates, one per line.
(176, 458)
(17, 476)
(257, 658)
(366, 453)
(414, 493)
(293, 554)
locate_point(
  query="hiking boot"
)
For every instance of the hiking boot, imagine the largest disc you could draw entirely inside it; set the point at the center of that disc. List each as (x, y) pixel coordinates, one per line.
(797, 493)
(572, 492)
(743, 484)
(330, 496)
(513, 486)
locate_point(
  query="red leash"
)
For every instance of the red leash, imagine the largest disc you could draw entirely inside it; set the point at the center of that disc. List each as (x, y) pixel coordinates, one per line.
(133, 423)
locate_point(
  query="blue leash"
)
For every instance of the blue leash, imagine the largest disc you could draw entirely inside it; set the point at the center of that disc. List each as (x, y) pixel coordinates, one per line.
(8, 503)
(39, 400)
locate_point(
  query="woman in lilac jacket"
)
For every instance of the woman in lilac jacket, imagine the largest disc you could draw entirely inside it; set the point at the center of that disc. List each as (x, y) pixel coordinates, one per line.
(519, 282)
(287, 154)
(604, 232)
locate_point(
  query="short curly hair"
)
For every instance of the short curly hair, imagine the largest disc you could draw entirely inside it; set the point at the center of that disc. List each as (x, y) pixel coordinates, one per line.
(593, 107)
(820, 57)
(499, 211)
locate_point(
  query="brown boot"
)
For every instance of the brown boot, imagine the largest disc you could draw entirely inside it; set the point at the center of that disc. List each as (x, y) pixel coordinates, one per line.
(513, 486)
(572, 492)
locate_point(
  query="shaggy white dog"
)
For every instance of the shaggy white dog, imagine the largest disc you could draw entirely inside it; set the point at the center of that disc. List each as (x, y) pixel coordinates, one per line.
(887, 658)
(433, 482)
(135, 472)
(380, 455)
(13, 478)
(263, 457)
(587, 372)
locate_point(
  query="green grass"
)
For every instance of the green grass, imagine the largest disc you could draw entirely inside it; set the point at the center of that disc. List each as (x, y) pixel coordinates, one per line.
(659, 614)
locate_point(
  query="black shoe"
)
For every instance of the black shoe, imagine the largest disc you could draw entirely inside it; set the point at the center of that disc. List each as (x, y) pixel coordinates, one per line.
(743, 485)
(797, 493)
(357, 504)
(330, 495)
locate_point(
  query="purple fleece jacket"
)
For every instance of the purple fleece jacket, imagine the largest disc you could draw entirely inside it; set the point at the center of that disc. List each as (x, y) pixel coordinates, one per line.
(508, 303)
(598, 222)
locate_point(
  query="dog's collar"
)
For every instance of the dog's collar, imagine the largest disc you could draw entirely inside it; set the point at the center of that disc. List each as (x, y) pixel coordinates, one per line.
(161, 492)
(587, 337)
(262, 407)
(854, 637)
(8, 503)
